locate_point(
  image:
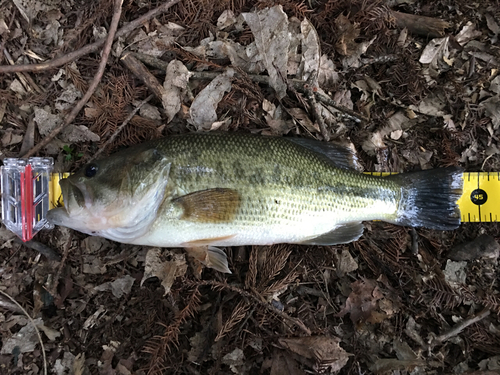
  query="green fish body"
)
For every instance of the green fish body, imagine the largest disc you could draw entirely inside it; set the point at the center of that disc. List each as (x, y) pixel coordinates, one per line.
(223, 189)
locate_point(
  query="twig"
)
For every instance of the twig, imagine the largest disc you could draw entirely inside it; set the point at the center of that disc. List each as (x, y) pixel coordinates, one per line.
(34, 326)
(88, 48)
(53, 289)
(461, 326)
(268, 306)
(26, 80)
(349, 113)
(120, 128)
(420, 25)
(315, 108)
(93, 85)
(141, 72)
(40, 247)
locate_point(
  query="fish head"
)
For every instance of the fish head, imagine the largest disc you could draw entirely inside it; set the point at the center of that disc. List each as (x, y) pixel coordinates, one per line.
(116, 197)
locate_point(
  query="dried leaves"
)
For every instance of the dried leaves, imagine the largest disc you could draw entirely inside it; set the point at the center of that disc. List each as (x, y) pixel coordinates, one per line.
(166, 270)
(324, 351)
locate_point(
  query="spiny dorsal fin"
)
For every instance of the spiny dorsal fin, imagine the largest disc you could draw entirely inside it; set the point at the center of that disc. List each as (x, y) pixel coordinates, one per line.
(210, 206)
(340, 156)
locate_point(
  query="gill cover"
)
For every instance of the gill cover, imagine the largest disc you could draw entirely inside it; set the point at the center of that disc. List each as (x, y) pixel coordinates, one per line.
(120, 200)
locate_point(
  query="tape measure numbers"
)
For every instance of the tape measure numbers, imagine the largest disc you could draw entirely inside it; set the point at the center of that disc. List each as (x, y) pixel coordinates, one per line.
(480, 201)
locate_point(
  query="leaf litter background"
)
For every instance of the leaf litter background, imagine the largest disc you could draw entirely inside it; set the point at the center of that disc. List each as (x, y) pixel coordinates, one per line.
(397, 301)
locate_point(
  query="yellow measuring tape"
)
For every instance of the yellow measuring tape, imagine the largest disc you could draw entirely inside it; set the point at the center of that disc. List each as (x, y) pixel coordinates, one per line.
(479, 202)
(480, 199)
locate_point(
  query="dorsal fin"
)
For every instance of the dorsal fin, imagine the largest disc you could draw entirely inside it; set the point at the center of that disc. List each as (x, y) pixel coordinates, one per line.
(339, 155)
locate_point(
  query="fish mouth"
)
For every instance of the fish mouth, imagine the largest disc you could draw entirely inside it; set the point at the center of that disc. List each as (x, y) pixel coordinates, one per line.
(74, 202)
(73, 196)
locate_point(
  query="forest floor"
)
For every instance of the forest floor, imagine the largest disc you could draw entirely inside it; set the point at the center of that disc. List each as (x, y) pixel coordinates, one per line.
(412, 85)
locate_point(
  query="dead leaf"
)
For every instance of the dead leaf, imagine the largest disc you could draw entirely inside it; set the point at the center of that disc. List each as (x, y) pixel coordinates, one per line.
(10, 138)
(270, 29)
(467, 33)
(67, 98)
(492, 109)
(274, 118)
(78, 133)
(345, 263)
(327, 76)
(221, 124)
(323, 350)
(391, 365)
(156, 42)
(226, 19)
(431, 105)
(362, 302)
(149, 111)
(175, 86)
(234, 360)
(45, 120)
(167, 271)
(25, 339)
(119, 287)
(303, 119)
(437, 55)
(455, 273)
(246, 58)
(311, 52)
(66, 364)
(203, 109)
(347, 32)
(51, 333)
(284, 364)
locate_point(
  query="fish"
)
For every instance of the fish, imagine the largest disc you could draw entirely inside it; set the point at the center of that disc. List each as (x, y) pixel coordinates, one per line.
(211, 190)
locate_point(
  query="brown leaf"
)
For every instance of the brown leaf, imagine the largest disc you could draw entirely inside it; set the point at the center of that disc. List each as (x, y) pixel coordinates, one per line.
(362, 302)
(346, 45)
(323, 350)
(283, 364)
(166, 271)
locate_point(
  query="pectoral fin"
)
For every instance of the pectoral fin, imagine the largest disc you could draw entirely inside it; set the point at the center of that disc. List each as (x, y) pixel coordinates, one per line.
(344, 233)
(210, 206)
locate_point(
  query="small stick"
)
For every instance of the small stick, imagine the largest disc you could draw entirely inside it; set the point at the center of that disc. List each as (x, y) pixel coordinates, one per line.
(268, 306)
(93, 85)
(34, 326)
(120, 128)
(315, 108)
(141, 72)
(349, 113)
(420, 25)
(53, 289)
(461, 326)
(40, 247)
(51, 64)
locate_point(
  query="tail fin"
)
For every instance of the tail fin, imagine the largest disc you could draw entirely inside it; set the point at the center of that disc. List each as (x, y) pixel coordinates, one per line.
(429, 198)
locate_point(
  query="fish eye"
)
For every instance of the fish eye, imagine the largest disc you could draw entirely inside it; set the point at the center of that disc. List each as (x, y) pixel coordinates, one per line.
(90, 170)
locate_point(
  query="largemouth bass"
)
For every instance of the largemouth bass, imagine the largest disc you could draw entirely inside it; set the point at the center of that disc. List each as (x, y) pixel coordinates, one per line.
(223, 189)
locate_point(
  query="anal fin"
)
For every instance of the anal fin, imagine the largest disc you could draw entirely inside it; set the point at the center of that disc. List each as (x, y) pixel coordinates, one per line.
(343, 233)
